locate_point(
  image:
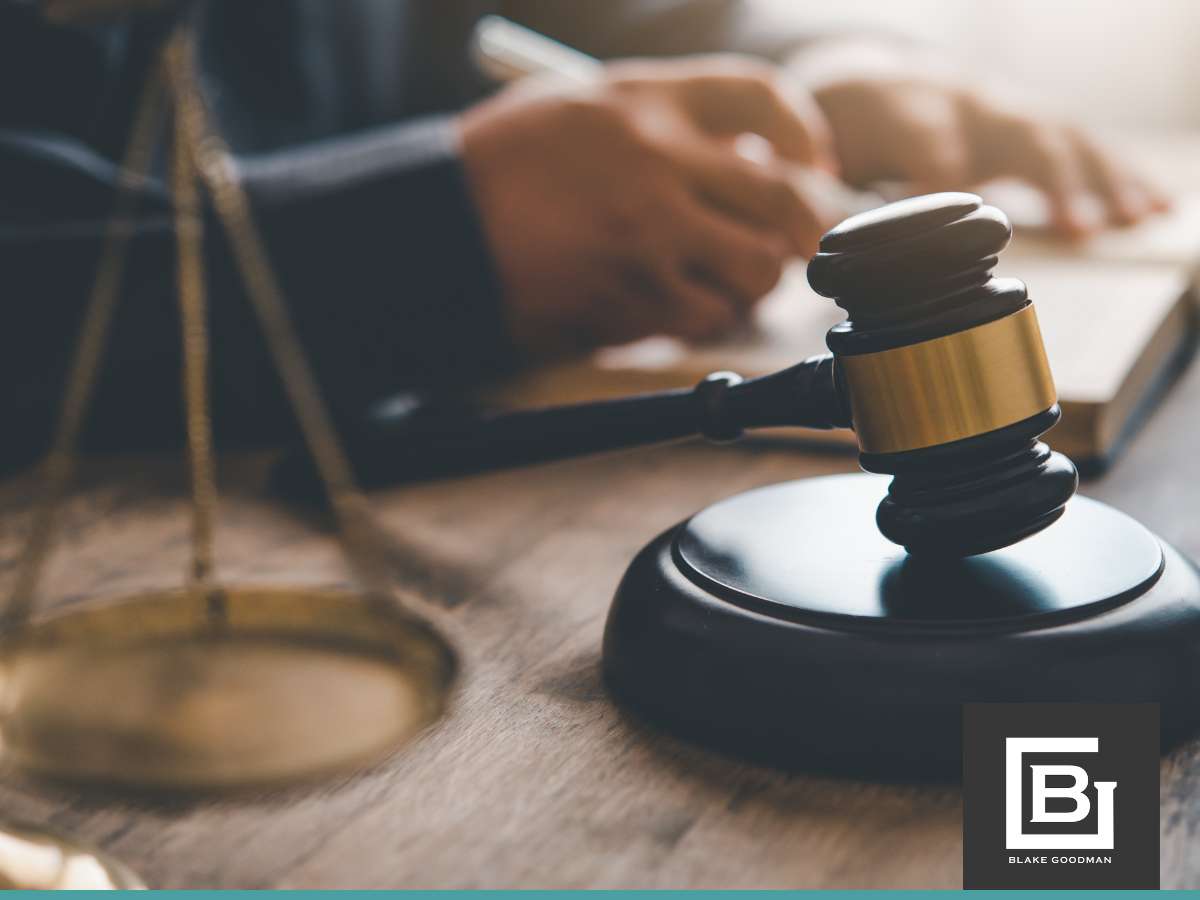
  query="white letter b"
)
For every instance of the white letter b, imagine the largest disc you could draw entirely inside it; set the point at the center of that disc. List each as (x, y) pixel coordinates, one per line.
(1075, 792)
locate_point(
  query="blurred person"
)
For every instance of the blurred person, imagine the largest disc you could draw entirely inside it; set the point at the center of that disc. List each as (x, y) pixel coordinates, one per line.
(429, 232)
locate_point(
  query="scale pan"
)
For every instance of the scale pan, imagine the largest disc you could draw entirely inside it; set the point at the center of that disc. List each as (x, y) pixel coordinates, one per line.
(178, 690)
(33, 859)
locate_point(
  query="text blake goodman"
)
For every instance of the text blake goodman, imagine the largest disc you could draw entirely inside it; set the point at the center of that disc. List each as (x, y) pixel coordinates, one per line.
(1058, 860)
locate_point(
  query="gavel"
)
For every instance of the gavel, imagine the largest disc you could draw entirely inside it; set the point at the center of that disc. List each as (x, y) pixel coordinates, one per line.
(939, 367)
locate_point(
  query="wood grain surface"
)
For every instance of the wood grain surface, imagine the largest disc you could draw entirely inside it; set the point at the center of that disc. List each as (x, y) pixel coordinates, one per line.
(537, 779)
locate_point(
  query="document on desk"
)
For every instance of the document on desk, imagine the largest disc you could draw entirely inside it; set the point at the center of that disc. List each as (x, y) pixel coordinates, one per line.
(1171, 238)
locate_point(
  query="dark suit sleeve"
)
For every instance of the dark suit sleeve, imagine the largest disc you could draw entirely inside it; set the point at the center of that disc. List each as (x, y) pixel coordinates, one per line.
(616, 28)
(374, 239)
(379, 246)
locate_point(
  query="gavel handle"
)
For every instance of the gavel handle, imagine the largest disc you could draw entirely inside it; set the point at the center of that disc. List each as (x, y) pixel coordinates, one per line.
(396, 448)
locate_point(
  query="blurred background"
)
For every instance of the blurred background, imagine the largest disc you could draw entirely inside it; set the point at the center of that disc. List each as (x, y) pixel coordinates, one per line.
(1103, 63)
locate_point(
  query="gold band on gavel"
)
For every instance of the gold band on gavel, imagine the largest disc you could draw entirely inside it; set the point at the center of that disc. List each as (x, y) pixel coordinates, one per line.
(951, 387)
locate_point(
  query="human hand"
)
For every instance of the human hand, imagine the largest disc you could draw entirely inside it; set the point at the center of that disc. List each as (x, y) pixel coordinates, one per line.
(938, 133)
(621, 209)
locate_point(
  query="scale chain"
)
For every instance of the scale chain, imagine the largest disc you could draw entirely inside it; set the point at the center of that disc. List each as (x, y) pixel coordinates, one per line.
(59, 462)
(189, 239)
(217, 171)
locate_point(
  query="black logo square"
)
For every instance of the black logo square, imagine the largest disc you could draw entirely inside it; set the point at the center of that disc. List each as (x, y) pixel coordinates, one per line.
(1060, 795)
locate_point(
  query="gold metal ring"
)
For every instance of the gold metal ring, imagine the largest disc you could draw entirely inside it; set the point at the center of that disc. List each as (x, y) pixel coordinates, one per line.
(951, 387)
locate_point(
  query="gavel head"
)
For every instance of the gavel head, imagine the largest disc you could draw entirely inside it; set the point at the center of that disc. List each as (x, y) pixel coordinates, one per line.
(945, 373)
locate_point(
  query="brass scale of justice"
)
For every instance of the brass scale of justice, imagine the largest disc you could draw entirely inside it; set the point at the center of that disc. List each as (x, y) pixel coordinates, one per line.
(779, 623)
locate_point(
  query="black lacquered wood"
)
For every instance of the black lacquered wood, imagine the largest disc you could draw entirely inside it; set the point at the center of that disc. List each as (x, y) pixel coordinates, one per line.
(974, 495)
(852, 657)
(403, 442)
(914, 271)
(915, 215)
(910, 260)
(746, 549)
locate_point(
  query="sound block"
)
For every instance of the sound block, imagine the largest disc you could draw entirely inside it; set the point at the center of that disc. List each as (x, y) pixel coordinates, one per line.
(779, 624)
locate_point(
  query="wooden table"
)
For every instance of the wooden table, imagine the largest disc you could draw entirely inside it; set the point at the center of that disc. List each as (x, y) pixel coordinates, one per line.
(537, 779)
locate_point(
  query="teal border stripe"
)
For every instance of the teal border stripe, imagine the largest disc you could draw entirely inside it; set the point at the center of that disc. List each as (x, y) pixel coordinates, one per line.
(714, 895)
